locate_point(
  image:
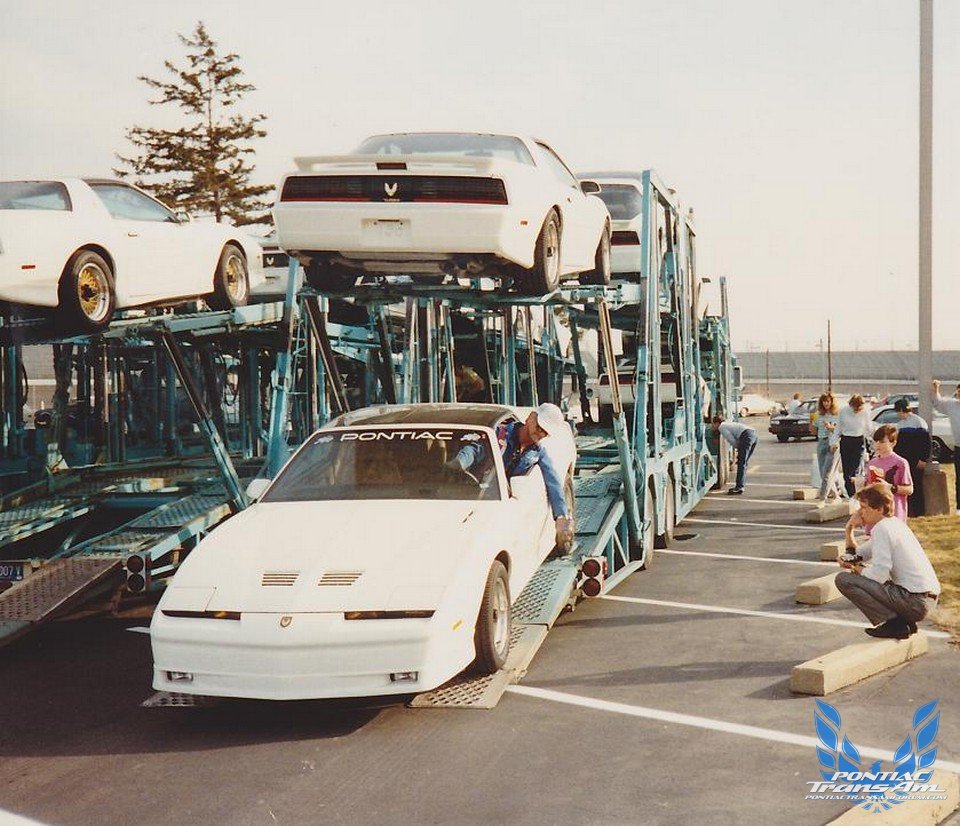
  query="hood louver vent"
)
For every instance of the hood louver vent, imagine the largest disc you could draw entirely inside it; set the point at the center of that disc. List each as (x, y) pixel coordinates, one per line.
(339, 578)
(282, 578)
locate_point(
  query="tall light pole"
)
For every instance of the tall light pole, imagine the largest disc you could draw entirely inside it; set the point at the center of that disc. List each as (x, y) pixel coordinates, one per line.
(925, 327)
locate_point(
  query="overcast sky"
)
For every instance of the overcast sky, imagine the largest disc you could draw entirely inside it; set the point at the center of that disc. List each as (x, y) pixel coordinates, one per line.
(790, 127)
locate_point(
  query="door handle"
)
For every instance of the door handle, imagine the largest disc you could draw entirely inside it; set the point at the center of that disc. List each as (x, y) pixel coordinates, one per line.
(132, 234)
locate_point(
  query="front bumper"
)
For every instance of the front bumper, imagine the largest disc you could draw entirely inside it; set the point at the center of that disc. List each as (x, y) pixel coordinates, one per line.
(314, 656)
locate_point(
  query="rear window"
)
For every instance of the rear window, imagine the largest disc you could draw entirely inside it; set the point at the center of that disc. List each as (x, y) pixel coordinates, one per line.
(447, 143)
(623, 201)
(34, 195)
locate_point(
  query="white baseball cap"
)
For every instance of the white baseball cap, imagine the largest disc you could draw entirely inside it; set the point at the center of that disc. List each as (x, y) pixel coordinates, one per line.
(550, 418)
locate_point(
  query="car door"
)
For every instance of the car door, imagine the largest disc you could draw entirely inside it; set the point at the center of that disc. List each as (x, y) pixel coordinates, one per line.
(151, 259)
(577, 244)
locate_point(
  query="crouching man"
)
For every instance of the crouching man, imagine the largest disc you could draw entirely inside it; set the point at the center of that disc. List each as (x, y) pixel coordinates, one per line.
(888, 576)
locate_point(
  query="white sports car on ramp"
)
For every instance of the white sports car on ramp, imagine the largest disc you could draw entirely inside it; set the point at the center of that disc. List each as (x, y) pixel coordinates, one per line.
(444, 203)
(368, 566)
(91, 246)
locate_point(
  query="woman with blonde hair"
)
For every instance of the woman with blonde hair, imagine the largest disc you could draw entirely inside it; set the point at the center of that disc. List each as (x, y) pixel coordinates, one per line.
(828, 438)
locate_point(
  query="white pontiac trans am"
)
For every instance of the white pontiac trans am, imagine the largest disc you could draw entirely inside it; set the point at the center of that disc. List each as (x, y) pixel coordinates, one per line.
(368, 566)
(92, 246)
(444, 203)
(622, 192)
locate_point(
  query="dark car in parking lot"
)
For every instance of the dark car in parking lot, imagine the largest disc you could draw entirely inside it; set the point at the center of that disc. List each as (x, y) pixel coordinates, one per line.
(798, 425)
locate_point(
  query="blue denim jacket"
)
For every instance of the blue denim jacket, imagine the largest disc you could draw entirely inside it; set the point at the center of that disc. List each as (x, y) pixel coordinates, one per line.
(517, 462)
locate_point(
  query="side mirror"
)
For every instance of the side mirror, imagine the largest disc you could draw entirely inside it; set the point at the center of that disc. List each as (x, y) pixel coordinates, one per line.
(257, 488)
(183, 217)
(590, 187)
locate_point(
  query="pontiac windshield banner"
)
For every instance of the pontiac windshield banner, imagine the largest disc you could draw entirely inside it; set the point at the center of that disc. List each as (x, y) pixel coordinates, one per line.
(846, 776)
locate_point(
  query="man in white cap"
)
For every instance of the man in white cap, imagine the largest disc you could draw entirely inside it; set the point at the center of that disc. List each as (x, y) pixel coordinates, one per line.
(520, 444)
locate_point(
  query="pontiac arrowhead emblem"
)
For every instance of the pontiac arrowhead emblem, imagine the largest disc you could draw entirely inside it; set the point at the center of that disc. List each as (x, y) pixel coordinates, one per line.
(285, 621)
(390, 189)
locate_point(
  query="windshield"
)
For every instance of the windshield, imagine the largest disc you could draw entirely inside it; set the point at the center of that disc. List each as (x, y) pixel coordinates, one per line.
(448, 143)
(623, 201)
(34, 195)
(387, 463)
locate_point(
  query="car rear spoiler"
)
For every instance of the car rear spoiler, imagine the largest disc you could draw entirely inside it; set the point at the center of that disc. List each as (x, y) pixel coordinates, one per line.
(475, 165)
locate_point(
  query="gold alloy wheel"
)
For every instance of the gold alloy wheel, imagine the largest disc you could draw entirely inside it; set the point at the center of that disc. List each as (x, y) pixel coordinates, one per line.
(235, 273)
(93, 292)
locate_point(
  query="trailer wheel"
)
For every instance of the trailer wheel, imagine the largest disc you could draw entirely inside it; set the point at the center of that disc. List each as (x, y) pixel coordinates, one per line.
(649, 531)
(665, 537)
(491, 638)
(723, 462)
(600, 274)
(544, 277)
(231, 283)
(87, 294)
(326, 277)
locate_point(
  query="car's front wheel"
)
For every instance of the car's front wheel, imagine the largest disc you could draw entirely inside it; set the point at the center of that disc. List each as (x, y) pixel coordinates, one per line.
(231, 282)
(492, 634)
(544, 277)
(87, 293)
(783, 437)
(600, 274)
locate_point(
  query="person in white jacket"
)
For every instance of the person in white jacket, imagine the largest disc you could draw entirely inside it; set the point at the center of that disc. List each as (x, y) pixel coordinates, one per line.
(951, 409)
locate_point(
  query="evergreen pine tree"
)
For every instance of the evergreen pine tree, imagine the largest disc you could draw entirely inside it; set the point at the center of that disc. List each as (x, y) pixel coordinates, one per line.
(204, 166)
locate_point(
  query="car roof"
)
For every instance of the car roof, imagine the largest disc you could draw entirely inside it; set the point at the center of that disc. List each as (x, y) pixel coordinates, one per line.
(475, 415)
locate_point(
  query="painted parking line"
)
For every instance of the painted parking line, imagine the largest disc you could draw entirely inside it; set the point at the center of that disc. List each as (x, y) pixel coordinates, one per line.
(746, 612)
(738, 523)
(734, 500)
(759, 484)
(13, 819)
(776, 472)
(748, 558)
(698, 722)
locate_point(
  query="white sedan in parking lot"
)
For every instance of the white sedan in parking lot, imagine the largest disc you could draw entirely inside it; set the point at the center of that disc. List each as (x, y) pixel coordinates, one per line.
(444, 204)
(91, 246)
(371, 565)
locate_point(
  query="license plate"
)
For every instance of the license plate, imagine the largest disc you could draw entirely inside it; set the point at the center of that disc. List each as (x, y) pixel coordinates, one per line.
(386, 233)
(11, 571)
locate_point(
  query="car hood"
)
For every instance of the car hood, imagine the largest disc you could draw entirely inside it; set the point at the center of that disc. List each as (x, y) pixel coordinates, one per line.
(332, 556)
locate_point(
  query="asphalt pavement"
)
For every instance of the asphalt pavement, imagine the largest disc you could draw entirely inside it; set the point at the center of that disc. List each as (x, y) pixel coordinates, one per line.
(666, 701)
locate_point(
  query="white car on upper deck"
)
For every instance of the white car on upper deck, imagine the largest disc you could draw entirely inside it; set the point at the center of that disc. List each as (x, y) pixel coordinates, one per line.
(444, 203)
(622, 192)
(90, 246)
(371, 565)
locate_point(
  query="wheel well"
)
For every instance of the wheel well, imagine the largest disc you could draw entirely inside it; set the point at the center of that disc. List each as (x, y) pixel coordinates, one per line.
(101, 251)
(556, 208)
(504, 557)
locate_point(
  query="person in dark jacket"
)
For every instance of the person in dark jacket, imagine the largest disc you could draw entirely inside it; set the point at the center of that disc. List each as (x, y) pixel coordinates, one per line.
(914, 445)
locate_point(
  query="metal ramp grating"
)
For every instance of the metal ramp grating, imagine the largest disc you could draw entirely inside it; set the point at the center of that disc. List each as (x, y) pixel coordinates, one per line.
(177, 514)
(545, 595)
(170, 699)
(600, 484)
(54, 586)
(34, 510)
(126, 541)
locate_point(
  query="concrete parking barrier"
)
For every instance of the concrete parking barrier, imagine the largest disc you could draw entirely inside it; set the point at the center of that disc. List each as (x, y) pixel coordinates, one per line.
(854, 663)
(910, 812)
(805, 494)
(818, 591)
(840, 509)
(832, 551)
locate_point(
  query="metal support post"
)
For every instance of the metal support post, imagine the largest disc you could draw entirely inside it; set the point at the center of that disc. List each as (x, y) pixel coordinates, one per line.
(531, 356)
(581, 372)
(624, 450)
(388, 380)
(220, 453)
(508, 365)
(925, 300)
(318, 323)
(277, 447)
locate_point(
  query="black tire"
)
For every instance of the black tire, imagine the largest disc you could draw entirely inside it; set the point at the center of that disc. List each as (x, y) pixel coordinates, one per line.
(665, 538)
(87, 292)
(491, 637)
(783, 437)
(544, 277)
(330, 277)
(231, 281)
(600, 274)
(939, 452)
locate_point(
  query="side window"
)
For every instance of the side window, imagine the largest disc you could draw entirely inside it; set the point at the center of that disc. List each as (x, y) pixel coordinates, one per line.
(129, 204)
(556, 166)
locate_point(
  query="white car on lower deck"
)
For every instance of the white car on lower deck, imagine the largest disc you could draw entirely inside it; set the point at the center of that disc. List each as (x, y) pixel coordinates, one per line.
(92, 246)
(368, 567)
(444, 204)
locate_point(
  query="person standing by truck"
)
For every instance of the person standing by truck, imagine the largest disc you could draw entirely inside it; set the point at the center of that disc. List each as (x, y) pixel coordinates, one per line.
(744, 440)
